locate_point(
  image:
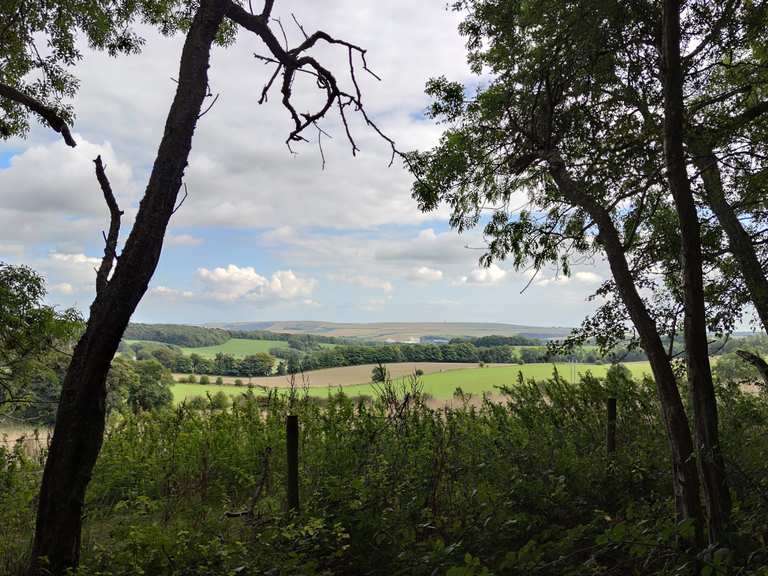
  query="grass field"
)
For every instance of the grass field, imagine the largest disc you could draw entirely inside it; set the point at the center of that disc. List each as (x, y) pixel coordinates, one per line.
(440, 385)
(237, 347)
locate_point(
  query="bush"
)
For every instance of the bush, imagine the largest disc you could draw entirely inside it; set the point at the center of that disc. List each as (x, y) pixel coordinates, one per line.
(520, 487)
(238, 382)
(204, 379)
(219, 381)
(191, 379)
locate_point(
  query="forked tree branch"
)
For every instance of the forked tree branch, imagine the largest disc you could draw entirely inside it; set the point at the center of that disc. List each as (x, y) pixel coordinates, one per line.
(50, 115)
(110, 239)
(294, 60)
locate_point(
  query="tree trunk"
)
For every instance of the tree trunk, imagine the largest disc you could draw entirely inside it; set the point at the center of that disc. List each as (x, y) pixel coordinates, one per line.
(716, 494)
(757, 362)
(79, 427)
(739, 240)
(684, 477)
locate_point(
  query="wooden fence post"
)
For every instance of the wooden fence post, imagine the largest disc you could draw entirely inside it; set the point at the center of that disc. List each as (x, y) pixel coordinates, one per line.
(610, 432)
(292, 445)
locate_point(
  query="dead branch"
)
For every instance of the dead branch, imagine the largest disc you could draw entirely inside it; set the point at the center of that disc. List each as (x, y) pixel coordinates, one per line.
(110, 239)
(50, 115)
(296, 60)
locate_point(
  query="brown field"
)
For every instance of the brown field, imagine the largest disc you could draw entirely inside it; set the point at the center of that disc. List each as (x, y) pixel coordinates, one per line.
(344, 376)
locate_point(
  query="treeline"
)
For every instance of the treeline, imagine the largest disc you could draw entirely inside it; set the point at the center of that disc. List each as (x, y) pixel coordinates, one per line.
(200, 336)
(455, 352)
(174, 359)
(191, 336)
(493, 341)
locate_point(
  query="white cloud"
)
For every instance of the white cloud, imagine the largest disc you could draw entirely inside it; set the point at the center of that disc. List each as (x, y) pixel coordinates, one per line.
(171, 293)
(235, 283)
(374, 304)
(424, 274)
(62, 288)
(362, 280)
(11, 250)
(579, 277)
(76, 259)
(49, 192)
(183, 240)
(485, 276)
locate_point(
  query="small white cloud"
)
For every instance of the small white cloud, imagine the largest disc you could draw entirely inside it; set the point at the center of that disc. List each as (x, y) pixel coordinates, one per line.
(581, 277)
(62, 288)
(425, 274)
(485, 276)
(74, 258)
(183, 240)
(11, 250)
(171, 293)
(362, 280)
(235, 283)
(375, 304)
(587, 277)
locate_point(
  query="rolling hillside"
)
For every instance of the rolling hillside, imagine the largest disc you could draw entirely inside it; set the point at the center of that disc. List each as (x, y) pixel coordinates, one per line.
(399, 331)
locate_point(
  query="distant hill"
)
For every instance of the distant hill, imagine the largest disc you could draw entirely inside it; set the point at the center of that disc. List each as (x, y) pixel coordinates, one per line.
(399, 331)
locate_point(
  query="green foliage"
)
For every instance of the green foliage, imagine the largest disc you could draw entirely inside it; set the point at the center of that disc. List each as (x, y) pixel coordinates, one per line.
(379, 373)
(34, 343)
(523, 487)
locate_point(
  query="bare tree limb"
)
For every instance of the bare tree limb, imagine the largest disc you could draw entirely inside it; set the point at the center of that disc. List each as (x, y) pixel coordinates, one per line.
(110, 239)
(50, 115)
(291, 61)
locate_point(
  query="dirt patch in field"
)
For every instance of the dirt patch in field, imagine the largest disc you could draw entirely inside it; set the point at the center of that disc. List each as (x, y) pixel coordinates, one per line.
(345, 376)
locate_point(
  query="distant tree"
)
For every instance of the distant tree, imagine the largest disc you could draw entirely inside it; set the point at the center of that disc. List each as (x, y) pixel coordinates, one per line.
(34, 342)
(379, 373)
(152, 389)
(121, 378)
(281, 368)
(219, 401)
(259, 364)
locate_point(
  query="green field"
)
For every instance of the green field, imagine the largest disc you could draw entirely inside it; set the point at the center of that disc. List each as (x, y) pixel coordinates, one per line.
(441, 385)
(237, 347)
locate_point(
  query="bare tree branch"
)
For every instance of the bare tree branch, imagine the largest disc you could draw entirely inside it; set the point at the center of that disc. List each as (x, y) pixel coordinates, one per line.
(110, 239)
(291, 61)
(50, 115)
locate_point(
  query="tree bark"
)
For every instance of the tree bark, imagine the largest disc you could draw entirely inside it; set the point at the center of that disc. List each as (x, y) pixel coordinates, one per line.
(684, 476)
(739, 241)
(79, 427)
(710, 461)
(757, 362)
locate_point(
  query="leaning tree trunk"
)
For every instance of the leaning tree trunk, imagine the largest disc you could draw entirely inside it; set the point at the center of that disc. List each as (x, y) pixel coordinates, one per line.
(716, 494)
(79, 427)
(684, 476)
(739, 241)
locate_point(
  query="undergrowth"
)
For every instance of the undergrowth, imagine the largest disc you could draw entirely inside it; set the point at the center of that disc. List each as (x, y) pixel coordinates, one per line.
(395, 487)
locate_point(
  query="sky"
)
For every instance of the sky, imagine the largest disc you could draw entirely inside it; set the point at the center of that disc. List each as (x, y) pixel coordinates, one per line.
(265, 234)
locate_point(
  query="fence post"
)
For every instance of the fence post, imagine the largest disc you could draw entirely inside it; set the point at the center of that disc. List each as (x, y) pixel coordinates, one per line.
(610, 432)
(292, 445)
